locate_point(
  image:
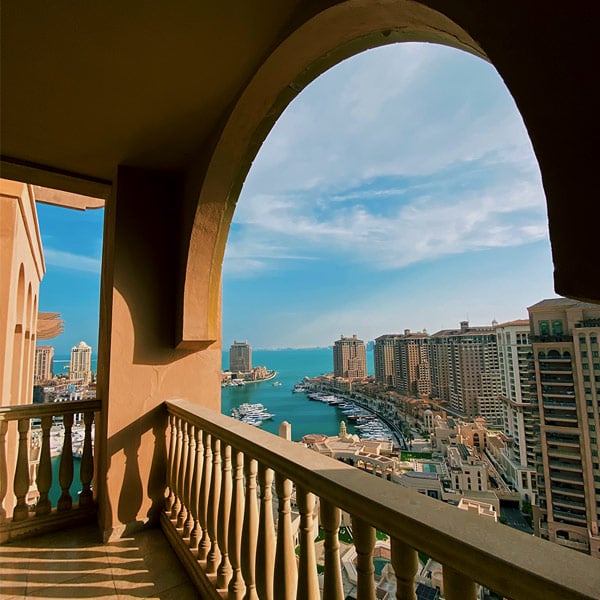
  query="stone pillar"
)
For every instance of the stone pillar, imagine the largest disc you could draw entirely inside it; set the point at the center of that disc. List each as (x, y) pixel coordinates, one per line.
(139, 366)
(285, 431)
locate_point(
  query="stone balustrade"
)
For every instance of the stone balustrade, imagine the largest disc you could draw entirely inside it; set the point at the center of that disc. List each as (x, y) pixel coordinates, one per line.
(232, 489)
(26, 462)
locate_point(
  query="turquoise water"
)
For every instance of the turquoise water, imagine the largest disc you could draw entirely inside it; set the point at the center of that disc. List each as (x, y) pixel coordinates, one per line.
(378, 564)
(55, 491)
(305, 415)
(429, 468)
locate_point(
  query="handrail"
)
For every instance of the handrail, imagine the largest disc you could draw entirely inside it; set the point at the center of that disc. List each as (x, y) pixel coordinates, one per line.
(504, 560)
(26, 462)
(33, 411)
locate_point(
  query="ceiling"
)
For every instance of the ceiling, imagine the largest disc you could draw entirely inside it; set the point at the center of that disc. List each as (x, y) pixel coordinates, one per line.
(110, 83)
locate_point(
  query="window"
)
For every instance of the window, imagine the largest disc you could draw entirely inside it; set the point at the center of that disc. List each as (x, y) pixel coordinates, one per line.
(557, 327)
(544, 327)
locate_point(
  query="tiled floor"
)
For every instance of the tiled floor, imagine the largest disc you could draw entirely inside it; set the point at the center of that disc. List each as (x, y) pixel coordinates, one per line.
(74, 564)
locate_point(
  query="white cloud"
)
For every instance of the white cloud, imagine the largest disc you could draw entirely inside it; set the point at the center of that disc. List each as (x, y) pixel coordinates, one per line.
(75, 262)
(437, 118)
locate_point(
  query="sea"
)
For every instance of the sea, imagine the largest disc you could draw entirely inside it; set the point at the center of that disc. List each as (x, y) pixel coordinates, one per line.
(292, 365)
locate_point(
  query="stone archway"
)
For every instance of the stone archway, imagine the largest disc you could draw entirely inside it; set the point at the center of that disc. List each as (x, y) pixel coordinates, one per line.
(319, 43)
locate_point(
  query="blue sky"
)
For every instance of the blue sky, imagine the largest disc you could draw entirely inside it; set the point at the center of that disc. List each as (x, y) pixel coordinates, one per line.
(398, 190)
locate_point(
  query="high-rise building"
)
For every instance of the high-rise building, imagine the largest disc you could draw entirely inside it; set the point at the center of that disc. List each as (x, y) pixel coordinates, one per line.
(349, 358)
(384, 361)
(240, 357)
(412, 364)
(439, 362)
(81, 363)
(519, 406)
(42, 370)
(466, 361)
(566, 366)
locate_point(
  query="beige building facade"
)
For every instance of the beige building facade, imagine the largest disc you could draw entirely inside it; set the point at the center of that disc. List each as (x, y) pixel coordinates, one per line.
(44, 356)
(349, 358)
(519, 406)
(21, 270)
(384, 359)
(465, 371)
(80, 367)
(412, 364)
(566, 361)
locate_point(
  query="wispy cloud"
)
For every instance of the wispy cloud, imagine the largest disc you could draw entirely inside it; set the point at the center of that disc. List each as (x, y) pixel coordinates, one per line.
(69, 260)
(388, 161)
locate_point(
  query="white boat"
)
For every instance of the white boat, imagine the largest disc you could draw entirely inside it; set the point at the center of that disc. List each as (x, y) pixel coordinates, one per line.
(276, 383)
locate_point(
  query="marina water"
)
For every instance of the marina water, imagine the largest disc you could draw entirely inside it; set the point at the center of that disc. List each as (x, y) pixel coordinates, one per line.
(292, 366)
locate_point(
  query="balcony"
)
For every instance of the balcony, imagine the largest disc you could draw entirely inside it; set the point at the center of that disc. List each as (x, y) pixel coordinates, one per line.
(240, 514)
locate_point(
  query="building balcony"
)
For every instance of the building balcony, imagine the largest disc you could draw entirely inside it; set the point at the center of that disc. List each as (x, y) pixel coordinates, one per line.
(568, 441)
(561, 476)
(568, 490)
(544, 339)
(559, 405)
(552, 367)
(569, 516)
(568, 503)
(240, 513)
(564, 453)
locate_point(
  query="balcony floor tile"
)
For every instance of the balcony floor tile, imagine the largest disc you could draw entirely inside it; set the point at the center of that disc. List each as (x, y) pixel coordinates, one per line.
(74, 563)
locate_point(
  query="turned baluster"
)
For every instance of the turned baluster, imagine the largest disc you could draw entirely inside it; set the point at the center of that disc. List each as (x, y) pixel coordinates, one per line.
(191, 460)
(185, 452)
(176, 506)
(86, 472)
(286, 574)
(458, 586)
(214, 554)
(331, 517)
(21, 481)
(65, 472)
(236, 586)
(224, 569)
(204, 544)
(250, 529)
(44, 474)
(170, 499)
(196, 532)
(364, 542)
(3, 468)
(308, 579)
(265, 547)
(405, 562)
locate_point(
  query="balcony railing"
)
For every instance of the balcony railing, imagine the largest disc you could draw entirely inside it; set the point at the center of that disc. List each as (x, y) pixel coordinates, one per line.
(238, 537)
(26, 475)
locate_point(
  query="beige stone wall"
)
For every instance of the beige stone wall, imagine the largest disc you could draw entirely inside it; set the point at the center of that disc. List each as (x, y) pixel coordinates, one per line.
(21, 270)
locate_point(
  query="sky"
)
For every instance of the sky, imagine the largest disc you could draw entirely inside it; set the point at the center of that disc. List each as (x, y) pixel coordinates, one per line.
(399, 190)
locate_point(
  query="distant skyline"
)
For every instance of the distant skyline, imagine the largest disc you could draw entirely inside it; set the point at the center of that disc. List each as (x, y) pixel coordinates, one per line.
(398, 190)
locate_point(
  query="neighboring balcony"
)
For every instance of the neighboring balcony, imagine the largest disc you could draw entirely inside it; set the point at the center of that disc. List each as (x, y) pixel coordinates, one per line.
(242, 510)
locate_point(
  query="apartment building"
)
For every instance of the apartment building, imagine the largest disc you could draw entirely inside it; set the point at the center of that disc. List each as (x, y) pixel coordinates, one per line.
(566, 365)
(349, 358)
(42, 369)
(412, 364)
(518, 406)
(80, 369)
(465, 371)
(240, 357)
(384, 361)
